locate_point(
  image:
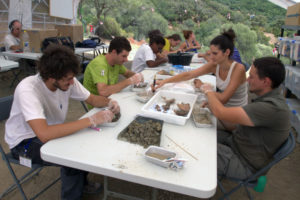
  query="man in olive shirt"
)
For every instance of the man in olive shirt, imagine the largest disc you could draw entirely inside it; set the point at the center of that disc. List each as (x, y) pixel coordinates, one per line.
(102, 74)
(263, 124)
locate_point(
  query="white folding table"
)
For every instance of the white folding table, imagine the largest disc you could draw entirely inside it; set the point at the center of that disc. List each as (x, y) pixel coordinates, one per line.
(36, 56)
(102, 153)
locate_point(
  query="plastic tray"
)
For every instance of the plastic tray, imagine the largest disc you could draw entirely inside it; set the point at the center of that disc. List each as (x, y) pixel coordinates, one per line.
(169, 116)
(142, 97)
(157, 155)
(197, 111)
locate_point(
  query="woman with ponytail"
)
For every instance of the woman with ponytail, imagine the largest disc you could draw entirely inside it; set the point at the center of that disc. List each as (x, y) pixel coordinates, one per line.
(230, 75)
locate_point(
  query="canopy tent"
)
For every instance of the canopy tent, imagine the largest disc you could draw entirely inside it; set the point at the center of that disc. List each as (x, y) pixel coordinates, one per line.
(284, 3)
(32, 14)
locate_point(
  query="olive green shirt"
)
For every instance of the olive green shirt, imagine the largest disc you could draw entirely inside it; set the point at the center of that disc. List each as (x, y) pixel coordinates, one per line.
(99, 71)
(270, 116)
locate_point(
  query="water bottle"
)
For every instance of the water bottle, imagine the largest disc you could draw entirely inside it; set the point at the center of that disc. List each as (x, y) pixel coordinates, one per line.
(261, 183)
(25, 39)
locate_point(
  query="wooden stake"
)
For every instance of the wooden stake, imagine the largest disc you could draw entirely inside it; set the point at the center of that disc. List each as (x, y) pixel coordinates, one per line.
(182, 148)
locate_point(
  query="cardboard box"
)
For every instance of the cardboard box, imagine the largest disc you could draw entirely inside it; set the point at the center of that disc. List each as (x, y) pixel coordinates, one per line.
(74, 31)
(36, 37)
(293, 15)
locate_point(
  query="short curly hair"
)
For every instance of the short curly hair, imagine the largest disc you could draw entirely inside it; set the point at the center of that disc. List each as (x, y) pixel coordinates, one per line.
(57, 61)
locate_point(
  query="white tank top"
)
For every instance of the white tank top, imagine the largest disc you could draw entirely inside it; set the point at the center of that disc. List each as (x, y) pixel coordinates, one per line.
(240, 97)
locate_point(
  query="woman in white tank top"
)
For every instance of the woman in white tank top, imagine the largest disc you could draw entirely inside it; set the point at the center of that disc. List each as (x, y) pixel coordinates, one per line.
(230, 76)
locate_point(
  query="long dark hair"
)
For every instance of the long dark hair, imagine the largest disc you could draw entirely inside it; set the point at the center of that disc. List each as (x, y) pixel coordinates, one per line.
(225, 41)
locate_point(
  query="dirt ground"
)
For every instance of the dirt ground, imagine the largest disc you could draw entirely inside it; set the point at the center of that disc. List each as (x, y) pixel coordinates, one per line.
(283, 180)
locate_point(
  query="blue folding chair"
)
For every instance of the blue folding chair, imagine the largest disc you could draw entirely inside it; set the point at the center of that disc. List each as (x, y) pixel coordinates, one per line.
(286, 148)
(5, 106)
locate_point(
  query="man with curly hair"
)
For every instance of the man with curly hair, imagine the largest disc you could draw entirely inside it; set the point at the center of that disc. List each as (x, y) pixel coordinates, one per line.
(39, 110)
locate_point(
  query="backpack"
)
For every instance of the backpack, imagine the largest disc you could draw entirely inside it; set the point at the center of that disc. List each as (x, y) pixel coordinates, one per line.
(66, 41)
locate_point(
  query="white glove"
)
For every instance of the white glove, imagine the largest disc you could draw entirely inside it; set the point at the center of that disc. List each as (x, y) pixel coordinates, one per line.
(101, 117)
(206, 87)
(136, 79)
(114, 106)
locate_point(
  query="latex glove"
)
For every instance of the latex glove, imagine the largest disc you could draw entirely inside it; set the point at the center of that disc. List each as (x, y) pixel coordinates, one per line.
(114, 106)
(136, 79)
(206, 87)
(101, 117)
(158, 84)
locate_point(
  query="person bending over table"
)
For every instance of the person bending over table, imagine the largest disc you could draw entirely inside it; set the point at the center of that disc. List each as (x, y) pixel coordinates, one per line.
(230, 75)
(263, 124)
(39, 110)
(102, 74)
(149, 55)
(171, 41)
(190, 44)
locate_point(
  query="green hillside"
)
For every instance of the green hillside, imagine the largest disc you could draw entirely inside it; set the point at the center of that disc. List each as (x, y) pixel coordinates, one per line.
(207, 18)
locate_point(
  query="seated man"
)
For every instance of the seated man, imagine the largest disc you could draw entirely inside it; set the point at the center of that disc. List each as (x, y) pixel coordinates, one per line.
(40, 107)
(263, 124)
(12, 40)
(149, 55)
(102, 74)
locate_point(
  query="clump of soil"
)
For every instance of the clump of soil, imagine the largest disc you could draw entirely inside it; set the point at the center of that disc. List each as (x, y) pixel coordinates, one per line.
(183, 109)
(143, 131)
(116, 117)
(141, 85)
(198, 83)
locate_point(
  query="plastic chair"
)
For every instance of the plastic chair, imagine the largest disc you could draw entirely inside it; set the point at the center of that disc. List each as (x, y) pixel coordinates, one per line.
(254, 180)
(5, 106)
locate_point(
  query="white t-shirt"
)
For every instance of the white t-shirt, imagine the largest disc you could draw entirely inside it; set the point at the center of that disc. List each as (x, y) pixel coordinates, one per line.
(143, 54)
(33, 100)
(9, 41)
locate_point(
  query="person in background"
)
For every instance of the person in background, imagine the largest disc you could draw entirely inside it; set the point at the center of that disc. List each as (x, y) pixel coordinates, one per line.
(149, 55)
(39, 110)
(102, 74)
(171, 42)
(190, 44)
(12, 40)
(263, 124)
(230, 75)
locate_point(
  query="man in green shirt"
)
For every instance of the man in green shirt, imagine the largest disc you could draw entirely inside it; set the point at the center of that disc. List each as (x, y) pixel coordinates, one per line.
(263, 124)
(102, 74)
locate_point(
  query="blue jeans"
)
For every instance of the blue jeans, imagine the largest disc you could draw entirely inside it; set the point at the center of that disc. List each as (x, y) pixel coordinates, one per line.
(73, 180)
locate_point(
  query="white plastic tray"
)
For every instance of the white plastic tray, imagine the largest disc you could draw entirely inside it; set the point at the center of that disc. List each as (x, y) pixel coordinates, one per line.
(169, 116)
(196, 112)
(157, 155)
(143, 98)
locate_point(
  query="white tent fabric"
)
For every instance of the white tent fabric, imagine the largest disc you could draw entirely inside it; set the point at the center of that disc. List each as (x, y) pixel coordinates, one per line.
(21, 10)
(284, 3)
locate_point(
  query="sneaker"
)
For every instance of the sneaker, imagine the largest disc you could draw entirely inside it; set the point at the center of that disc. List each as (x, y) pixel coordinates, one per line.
(92, 188)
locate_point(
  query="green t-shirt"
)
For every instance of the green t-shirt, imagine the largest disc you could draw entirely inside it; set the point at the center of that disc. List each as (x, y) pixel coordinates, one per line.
(99, 71)
(270, 116)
